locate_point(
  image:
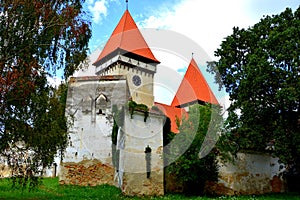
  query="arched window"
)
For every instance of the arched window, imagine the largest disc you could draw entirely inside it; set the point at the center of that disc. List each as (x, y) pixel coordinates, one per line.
(101, 104)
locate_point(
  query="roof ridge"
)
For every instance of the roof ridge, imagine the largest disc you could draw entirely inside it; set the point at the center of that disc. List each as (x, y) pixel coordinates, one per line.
(123, 28)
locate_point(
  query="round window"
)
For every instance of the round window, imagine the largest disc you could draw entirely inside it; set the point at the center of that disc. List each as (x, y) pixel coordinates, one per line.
(136, 80)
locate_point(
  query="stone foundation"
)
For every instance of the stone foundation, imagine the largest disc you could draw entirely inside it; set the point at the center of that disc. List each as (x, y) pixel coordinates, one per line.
(141, 153)
(86, 172)
(137, 184)
(250, 174)
(5, 171)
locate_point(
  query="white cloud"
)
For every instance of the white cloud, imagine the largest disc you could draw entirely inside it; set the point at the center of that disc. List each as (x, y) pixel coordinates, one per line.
(167, 78)
(98, 9)
(209, 22)
(54, 81)
(205, 22)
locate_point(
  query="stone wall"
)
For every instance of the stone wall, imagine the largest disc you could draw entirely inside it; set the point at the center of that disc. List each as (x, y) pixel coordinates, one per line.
(122, 65)
(4, 171)
(138, 184)
(86, 173)
(133, 159)
(88, 156)
(250, 174)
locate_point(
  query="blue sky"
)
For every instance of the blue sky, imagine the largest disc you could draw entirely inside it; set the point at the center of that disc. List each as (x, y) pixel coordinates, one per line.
(199, 18)
(205, 22)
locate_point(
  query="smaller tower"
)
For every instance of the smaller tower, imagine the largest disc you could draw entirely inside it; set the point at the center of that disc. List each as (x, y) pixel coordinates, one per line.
(193, 89)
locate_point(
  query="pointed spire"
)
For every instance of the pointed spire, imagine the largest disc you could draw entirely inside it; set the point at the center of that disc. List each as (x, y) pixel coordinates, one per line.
(193, 88)
(126, 4)
(127, 39)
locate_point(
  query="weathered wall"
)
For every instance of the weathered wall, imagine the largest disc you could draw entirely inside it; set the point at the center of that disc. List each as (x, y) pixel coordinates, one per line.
(136, 184)
(251, 174)
(86, 173)
(137, 136)
(88, 157)
(4, 170)
(140, 94)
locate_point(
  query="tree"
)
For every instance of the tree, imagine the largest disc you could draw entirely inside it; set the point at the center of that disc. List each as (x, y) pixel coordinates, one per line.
(260, 69)
(36, 39)
(189, 169)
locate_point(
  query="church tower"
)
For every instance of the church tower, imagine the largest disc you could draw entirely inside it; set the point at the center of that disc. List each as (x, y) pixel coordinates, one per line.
(193, 89)
(127, 53)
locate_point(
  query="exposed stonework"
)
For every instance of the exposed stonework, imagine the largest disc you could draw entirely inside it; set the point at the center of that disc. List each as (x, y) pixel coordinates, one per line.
(137, 135)
(277, 184)
(250, 174)
(5, 171)
(88, 157)
(212, 187)
(86, 173)
(136, 184)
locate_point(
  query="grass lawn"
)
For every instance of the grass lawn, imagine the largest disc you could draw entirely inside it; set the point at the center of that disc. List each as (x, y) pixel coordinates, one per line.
(50, 189)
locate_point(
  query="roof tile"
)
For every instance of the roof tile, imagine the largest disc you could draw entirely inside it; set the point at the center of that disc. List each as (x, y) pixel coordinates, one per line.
(193, 88)
(127, 37)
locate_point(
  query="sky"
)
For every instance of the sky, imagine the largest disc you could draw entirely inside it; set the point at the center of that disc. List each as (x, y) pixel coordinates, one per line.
(202, 22)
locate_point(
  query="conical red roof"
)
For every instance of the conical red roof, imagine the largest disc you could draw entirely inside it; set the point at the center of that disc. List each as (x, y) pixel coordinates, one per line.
(193, 88)
(127, 38)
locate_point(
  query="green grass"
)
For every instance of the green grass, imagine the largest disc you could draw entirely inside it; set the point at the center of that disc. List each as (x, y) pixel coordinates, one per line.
(50, 189)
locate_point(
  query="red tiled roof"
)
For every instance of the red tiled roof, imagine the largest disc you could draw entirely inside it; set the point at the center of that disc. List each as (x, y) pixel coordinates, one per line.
(127, 38)
(193, 88)
(172, 113)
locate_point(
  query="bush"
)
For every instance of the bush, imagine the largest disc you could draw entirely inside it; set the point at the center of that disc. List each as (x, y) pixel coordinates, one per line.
(190, 170)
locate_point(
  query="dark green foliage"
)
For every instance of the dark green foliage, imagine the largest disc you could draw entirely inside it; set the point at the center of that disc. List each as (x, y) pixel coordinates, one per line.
(39, 141)
(167, 138)
(36, 39)
(167, 134)
(133, 106)
(189, 169)
(260, 69)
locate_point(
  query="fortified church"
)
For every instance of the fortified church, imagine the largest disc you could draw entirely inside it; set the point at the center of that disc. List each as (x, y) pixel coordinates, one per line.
(126, 151)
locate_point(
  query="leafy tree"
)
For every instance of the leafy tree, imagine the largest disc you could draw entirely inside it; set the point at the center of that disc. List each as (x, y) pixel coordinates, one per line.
(36, 39)
(260, 69)
(191, 170)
